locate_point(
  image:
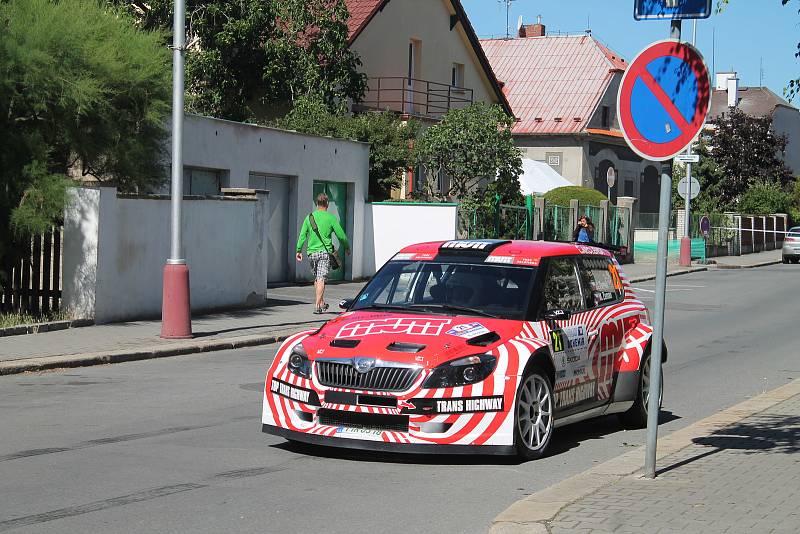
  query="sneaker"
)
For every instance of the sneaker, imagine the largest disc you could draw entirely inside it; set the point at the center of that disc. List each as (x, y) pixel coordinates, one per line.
(317, 311)
(325, 307)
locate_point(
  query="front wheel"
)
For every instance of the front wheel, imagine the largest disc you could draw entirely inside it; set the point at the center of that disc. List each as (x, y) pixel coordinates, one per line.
(636, 416)
(533, 424)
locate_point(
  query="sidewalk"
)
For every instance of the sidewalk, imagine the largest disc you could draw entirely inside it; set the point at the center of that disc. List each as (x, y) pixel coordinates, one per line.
(288, 310)
(639, 272)
(735, 471)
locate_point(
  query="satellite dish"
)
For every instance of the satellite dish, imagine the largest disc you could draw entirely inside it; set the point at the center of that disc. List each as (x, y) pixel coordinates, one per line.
(519, 23)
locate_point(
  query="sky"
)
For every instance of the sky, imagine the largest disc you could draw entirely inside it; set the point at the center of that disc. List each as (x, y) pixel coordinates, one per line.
(745, 36)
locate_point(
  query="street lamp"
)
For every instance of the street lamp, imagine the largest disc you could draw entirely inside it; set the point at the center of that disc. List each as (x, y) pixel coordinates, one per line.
(176, 321)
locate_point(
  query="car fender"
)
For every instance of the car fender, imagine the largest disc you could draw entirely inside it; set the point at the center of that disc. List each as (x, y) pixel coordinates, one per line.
(634, 347)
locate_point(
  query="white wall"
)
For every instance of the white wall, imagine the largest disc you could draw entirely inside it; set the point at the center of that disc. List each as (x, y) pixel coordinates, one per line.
(241, 149)
(115, 249)
(390, 226)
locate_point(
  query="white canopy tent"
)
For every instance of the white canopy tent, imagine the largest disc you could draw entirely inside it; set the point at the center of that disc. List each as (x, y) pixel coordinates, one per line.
(538, 178)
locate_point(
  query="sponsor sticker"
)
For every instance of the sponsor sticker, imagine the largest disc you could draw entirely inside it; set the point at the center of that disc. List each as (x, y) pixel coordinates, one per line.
(533, 262)
(404, 256)
(576, 394)
(456, 405)
(499, 259)
(468, 330)
(364, 433)
(418, 326)
(465, 245)
(306, 396)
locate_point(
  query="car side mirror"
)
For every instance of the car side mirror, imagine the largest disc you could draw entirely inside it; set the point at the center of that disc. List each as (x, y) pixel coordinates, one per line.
(345, 304)
(557, 314)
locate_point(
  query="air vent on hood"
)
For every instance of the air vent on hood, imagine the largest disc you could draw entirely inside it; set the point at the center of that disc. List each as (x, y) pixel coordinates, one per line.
(405, 347)
(345, 343)
(484, 340)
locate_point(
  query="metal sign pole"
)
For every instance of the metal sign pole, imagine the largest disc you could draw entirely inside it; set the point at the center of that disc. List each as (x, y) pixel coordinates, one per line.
(657, 342)
(176, 322)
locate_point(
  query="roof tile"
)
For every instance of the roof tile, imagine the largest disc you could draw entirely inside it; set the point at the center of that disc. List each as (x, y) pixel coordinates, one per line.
(553, 76)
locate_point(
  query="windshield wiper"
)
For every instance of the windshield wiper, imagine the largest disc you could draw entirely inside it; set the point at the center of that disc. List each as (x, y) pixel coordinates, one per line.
(375, 306)
(454, 308)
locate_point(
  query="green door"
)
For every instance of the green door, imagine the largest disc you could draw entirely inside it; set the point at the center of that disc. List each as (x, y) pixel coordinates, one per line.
(337, 206)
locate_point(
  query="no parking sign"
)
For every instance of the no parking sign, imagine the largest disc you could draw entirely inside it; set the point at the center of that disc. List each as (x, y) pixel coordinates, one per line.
(664, 99)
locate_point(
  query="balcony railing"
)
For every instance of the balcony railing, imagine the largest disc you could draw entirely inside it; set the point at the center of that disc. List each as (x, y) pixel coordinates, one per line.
(412, 96)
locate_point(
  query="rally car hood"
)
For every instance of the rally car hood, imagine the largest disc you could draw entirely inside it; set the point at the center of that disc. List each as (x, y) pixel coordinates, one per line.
(417, 339)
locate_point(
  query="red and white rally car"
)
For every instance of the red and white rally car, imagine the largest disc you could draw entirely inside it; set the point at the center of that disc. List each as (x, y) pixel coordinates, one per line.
(479, 346)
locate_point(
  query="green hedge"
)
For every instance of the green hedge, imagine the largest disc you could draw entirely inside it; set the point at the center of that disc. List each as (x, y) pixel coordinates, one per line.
(562, 195)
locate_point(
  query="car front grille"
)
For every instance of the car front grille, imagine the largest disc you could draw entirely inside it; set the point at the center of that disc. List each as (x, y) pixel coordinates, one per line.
(344, 375)
(364, 421)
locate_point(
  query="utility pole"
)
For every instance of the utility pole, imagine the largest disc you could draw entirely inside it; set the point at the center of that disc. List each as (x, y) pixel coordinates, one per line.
(653, 402)
(686, 240)
(176, 321)
(508, 14)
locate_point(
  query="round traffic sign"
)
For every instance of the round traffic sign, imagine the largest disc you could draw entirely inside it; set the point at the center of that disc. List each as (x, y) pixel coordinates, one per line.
(664, 99)
(705, 225)
(611, 177)
(682, 187)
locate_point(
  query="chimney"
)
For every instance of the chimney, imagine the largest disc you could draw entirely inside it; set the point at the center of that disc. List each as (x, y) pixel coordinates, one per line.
(533, 30)
(733, 91)
(722, 80)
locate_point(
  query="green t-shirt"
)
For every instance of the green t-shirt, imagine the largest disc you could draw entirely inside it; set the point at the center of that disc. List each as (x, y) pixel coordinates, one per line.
(327, 225)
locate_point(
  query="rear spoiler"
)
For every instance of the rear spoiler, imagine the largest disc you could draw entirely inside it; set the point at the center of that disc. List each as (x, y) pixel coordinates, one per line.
(616, 249)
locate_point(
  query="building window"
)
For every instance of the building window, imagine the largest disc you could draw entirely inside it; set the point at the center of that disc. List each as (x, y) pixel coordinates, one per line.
(204, 181)
(605, 120)
(457, 75)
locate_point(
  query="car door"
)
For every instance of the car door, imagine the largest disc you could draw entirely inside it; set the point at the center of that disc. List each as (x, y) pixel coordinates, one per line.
(603, 294)
(569, 338)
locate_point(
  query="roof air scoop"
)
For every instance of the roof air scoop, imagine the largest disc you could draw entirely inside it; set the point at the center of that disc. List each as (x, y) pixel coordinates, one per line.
(405, 347)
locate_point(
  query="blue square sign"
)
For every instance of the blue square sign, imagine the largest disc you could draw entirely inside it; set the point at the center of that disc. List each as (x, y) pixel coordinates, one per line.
(671, 9)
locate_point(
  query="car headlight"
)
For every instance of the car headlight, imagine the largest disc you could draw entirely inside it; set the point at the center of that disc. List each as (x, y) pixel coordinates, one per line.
(461, 372)
(299, 363)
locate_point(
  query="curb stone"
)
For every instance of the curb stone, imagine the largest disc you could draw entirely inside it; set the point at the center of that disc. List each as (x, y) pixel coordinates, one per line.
(649, 277)
(752, 266)
(37, 328)
(533, 513)
(129, 355)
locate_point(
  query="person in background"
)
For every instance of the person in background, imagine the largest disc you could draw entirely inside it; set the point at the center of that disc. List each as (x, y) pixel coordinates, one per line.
(320, 246)
(584, 232)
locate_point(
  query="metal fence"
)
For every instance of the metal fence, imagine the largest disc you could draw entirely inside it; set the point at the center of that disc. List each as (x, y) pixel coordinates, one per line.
(557, 223)
(616, 229)
(500, 221)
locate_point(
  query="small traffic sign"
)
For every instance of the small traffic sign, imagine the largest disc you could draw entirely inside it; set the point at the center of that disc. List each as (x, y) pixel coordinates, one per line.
(695, 188)
(664, 99)
(611, 177)
(688, 158)
(705, 225)
(671, 9)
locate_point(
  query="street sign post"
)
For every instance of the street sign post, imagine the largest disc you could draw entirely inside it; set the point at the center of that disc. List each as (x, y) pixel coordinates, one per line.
(688, 158)
(664, 99)
(611, 179)
(671, 9)
(693, 188)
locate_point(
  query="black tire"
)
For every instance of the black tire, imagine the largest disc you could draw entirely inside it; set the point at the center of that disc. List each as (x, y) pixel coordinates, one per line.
(784, 259)
(636, 416)
(534, 409)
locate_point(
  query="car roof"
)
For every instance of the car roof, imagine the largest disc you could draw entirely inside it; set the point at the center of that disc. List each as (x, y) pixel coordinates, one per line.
(532, 251)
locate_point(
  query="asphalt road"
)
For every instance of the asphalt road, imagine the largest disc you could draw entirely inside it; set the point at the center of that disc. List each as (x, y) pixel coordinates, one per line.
(175, 445)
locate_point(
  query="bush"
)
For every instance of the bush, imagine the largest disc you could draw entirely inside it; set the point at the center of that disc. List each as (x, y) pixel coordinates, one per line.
(764, 198)
(585, 195)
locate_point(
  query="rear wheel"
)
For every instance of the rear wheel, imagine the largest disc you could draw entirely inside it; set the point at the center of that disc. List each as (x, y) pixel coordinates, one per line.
(533, 421)
(784, 259)
(636, 416)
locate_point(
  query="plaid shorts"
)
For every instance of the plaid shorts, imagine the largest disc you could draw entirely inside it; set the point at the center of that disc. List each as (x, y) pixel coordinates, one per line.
(320, 264)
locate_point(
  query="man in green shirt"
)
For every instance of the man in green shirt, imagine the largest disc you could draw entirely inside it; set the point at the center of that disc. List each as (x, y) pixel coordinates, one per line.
(320, 246)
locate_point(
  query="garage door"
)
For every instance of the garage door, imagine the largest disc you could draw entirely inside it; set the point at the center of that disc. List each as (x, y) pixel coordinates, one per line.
(278, 224)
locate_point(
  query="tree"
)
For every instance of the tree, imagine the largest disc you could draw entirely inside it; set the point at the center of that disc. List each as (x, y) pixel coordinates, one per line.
(472, 145)
(389, 138)
(82, 91)
(765, 198)
(252, 59)
(743, 150)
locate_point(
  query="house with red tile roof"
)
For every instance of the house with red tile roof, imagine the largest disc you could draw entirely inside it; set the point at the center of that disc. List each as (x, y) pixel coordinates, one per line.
(563, 90)
(422, 59)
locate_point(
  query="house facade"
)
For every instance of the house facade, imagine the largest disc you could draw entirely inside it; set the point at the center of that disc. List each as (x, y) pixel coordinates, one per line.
(563, 89)
(422, 59)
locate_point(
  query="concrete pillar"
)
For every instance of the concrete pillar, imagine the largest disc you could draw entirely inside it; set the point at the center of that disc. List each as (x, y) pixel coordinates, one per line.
(573, 213)
(601, 231)
(538, 227)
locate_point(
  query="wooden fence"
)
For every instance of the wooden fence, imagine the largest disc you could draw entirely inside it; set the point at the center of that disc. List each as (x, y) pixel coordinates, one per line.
(33, 270)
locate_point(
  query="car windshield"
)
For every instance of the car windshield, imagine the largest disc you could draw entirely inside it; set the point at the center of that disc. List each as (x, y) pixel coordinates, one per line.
(450, 288)
(794, 232)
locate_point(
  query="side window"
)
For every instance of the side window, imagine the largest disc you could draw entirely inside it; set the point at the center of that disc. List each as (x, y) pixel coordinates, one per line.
(601, 282)
(561, 289)
(398, 288)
